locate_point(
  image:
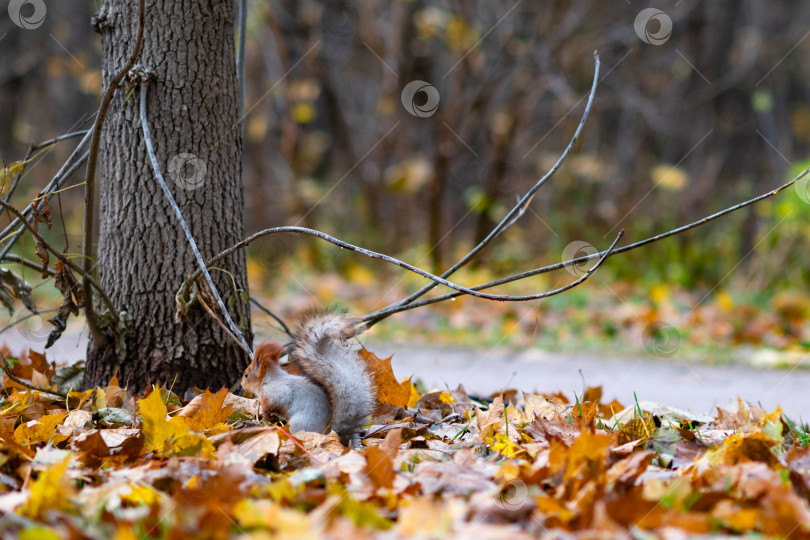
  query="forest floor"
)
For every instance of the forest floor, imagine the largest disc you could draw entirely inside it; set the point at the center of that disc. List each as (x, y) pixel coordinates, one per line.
(678, 381)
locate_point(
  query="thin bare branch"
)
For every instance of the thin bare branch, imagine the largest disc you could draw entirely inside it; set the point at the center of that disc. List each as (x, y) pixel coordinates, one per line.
(60, 138)
(386, 312)
(30, 154)
(202, 267)
(55, 183)
(273, 315)
(386, 258)
(69, 165)
(16, 259)
(89, 193)
(25, 318)
(7, 369)
(520, 208)
(67, 262)
(217, 319)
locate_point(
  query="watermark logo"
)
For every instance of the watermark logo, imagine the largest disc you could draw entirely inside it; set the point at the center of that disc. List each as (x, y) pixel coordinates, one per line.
(34, 329)
(340, 19)
(575, 250)
(661, 339)
(431, 101)
(505, 175)
(734, 106)
(27, 14)
(653, 26)
(187, 171)
(271, 252)
(514, 494)
(802, 187)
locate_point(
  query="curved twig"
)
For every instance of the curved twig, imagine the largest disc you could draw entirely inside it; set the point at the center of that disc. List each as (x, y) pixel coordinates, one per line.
(67, 262)
(16, 259)
(53, 185)
(89, 193)
(273, 315)
(7, 369)
(60, 138)
(392, 260)
(65, 171)
(520, 208)
(386, 312)
(30, 315)
(202, 267)
(217, 319)
(29, 155)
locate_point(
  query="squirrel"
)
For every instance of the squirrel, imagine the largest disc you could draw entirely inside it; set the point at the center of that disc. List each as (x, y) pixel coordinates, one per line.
(334, 384)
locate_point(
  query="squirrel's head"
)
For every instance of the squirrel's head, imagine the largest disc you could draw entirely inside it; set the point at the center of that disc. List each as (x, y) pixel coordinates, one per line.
(266, 357)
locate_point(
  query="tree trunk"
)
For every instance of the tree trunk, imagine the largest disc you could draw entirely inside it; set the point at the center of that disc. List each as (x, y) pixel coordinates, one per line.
(143, 255)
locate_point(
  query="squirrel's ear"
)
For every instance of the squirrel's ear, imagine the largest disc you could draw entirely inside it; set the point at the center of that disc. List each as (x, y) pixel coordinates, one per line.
(269, 350)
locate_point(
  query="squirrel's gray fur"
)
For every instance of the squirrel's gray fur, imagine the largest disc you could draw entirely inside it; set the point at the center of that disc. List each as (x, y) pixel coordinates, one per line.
(324, 353)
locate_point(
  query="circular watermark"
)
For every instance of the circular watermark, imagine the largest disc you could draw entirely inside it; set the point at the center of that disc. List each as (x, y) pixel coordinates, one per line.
(27, 14)
(575, 250)
(188, 171)
(271, 252)
(653, 26)
(513, 494)
(431, 100)
(802, 187)
(505, 175)
(35, 329)
(340, 19)
(734, 106)
(661, 339)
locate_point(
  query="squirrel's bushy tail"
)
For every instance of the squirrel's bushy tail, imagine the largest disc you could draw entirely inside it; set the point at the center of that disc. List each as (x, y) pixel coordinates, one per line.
(323, 352)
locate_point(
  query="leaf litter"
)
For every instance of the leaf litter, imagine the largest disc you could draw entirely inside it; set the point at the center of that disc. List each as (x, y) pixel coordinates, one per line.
(106, 463)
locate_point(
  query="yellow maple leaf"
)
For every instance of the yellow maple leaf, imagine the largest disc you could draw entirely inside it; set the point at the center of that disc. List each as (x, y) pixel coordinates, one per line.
(587, 455)
(659, 293)
(189, 444)
(291, 523)
(51, 491)
(156, 429)
(41, 430)
(80, 396)
(206, 410)
(169, 436)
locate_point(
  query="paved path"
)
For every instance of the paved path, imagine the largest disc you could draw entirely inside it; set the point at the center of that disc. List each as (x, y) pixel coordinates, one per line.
(676, 381)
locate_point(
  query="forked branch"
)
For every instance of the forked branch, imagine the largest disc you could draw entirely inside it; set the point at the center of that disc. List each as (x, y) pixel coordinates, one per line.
(520, 208)
(90, 282)
(438, 280)
(379, 315)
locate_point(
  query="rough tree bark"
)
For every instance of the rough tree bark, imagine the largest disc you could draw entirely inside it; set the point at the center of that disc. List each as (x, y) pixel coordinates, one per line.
(143, 255)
